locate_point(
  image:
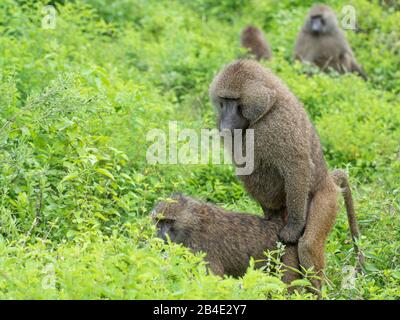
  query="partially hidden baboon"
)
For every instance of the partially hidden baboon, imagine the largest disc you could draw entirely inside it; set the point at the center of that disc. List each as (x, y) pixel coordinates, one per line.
(289, 167)
(229, 239)
(323, 43)
(255, 42)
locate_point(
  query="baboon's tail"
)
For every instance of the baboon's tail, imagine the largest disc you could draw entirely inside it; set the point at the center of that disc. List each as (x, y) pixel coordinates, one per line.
(342, 181)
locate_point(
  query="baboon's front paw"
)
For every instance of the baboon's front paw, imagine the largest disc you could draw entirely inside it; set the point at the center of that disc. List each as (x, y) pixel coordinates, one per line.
(290, 234)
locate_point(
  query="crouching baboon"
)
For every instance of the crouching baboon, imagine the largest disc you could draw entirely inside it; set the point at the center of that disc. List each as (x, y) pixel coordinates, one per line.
(323, 43)
(290, 172)
(254, 41)
(229, 239)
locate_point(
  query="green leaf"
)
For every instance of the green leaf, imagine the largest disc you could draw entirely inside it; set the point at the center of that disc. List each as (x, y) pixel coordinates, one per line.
(99, 215)
(106, 173)
(70, 176)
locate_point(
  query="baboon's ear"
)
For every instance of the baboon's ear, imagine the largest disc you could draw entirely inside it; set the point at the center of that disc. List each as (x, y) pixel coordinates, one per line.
(257, 101)
(204, 216)
(177, 197)
(182, 198)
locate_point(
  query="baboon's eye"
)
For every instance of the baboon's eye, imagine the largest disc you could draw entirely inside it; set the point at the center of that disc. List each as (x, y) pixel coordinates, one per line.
(167, 222)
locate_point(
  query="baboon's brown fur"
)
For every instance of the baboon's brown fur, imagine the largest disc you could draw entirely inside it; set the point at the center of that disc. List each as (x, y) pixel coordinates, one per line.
(327, 48)
(253, 39)
(229, 239)
(290, 171)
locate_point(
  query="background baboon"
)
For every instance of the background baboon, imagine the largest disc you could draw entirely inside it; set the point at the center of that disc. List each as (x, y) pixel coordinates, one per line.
(254, 40)
(229, 239)
(323, 43)
(390, 3)
(289, 167)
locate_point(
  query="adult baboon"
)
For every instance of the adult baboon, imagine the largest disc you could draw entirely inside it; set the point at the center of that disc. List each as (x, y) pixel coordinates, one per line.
(254, 41)
(229, 239)
(323, 43)
(289, 167)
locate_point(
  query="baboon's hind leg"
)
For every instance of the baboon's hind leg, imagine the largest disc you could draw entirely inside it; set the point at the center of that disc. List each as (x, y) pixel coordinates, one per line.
(321, 217)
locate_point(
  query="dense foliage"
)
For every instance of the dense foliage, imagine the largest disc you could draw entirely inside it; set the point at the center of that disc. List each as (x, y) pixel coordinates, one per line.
(77, 101)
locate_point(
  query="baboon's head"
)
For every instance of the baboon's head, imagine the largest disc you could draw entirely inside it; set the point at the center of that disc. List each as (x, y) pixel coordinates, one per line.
(241, 94)
(321, 20)
(174, 218)
(250, 32)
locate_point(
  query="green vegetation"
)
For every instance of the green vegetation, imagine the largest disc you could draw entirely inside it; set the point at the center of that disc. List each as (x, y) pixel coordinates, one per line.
(77, 101)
